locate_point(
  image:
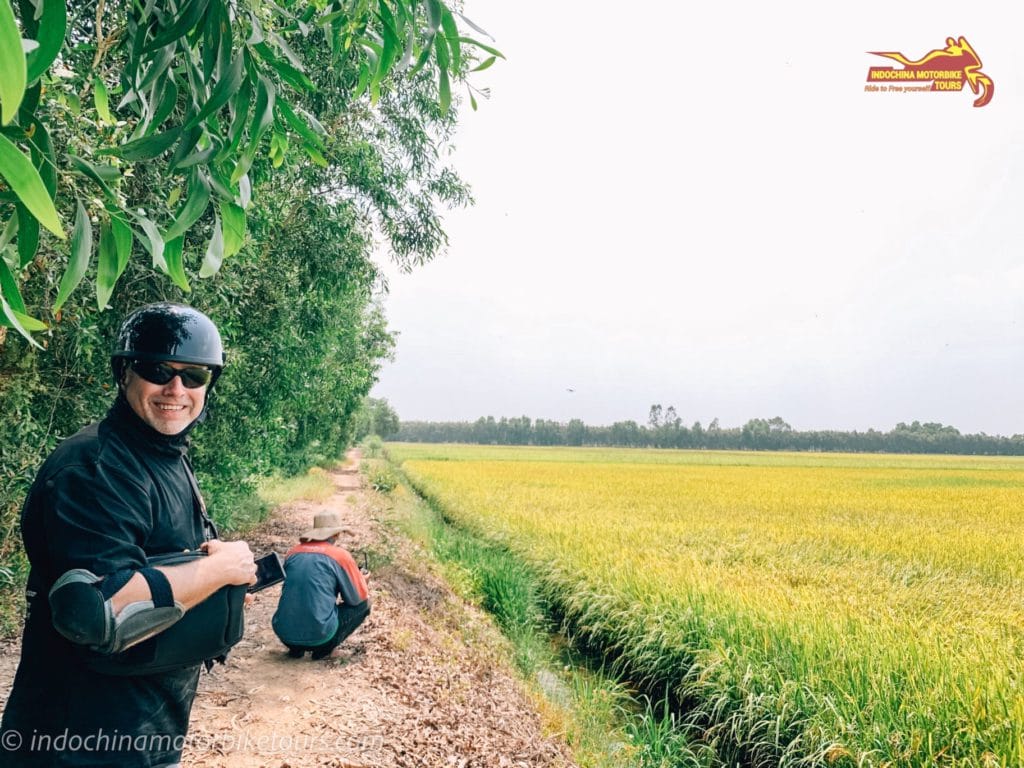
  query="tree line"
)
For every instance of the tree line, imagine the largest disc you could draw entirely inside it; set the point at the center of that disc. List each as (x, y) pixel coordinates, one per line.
(665, 429)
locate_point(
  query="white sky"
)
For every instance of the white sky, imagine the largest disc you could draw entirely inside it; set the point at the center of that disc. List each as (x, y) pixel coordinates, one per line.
(699, 205)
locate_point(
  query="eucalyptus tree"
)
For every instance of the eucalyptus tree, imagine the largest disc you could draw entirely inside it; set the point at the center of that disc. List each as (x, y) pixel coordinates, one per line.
(131, 129)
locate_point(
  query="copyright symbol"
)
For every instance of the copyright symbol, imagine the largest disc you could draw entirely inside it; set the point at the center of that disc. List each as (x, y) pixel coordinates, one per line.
(10, 740)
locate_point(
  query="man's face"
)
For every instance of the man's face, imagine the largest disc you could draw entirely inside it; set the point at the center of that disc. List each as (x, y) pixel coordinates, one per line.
(168, 408)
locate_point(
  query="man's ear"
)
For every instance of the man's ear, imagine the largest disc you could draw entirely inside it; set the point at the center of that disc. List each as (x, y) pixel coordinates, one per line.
(122, 371)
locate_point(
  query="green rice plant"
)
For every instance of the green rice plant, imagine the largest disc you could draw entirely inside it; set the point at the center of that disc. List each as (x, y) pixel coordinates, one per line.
(661, 740)
(806, 609)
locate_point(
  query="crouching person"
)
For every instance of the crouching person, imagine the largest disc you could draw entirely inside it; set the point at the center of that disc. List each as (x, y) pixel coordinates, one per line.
(129, 590)
(324, 597)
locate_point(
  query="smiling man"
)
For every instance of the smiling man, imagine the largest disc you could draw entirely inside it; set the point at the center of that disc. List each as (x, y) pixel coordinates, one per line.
(112, 645)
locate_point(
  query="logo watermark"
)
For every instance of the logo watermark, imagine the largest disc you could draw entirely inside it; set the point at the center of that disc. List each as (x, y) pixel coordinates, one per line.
(102, 741)
(944, 69)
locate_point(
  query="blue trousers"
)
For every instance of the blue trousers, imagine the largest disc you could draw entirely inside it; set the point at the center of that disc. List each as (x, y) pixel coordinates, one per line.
(349, 617)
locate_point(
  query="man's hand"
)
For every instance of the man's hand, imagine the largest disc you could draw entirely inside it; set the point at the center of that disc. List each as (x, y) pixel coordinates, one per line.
(231, 561)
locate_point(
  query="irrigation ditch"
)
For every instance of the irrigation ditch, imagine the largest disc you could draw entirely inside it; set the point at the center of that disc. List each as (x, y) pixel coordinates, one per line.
(621, 717)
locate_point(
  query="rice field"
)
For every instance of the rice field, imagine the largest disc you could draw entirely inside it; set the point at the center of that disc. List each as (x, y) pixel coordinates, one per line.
(806, 609)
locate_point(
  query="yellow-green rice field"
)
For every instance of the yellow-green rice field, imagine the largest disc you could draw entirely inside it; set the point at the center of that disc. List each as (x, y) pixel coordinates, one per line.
(805, 608)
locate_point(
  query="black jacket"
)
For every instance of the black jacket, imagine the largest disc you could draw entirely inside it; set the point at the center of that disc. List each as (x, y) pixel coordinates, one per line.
(106, 499)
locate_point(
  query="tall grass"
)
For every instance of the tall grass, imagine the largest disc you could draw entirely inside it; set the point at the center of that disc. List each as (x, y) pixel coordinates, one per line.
(833, 610)
(314, 485)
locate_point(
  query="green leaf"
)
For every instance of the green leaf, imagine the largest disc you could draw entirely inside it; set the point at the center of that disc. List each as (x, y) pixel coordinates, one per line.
(239, 114)
(214, 252)
(173, 256)
(316, 155)
(158, 66)
(451, 33)
(233, 218)
(294, 77)
(443, 85)
(298, 124)
(122, 240)
(183, 24)
(313, 122)
(284, 48)
(102, 101)
(444, 91)
(364, 80)
(100, 174)
(328, 18)
(145, 148)
(220, 185)
(441, 48)
(482, 47)
(10, 230)
(81, 250)
(199, 157)
(471, 24)
(29, 103)
(43, 158)
(407, 54)
(23, 178)
(226, 88)
(485, 64)
(12, 65)
(9, 288)
(244, 190)
(52, 27)
(153, 242)
(28, 236)
(194, 207)
(190, 137)
(424, 56)
(168, 100)
(263, 115)
(392, 44)
(106, 266)
(433, 14)
(388, 18)
(23, 324)
(96, 171)
(243, 165)
(210, 47)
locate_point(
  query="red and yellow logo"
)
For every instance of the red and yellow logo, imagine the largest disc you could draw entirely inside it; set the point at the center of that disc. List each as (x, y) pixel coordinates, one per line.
(944, 69)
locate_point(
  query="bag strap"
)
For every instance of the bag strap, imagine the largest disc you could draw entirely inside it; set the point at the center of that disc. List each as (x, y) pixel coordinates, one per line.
(209, 528)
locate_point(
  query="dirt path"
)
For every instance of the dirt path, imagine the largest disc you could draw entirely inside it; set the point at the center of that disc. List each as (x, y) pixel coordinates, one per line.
(422, 683)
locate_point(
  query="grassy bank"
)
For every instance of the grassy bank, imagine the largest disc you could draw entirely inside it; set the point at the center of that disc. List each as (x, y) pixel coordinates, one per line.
(603, 720)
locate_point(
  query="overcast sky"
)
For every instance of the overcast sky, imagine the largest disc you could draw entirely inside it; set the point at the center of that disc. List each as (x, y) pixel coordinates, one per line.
(699, 205)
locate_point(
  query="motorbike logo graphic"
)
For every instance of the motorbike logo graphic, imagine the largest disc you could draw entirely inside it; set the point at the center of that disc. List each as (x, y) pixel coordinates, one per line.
(946, 68)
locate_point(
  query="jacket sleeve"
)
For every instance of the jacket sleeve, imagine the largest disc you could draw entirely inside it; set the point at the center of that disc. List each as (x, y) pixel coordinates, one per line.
(96, 518)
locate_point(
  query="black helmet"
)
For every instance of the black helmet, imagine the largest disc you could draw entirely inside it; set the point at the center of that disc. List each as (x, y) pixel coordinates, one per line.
(168, 332)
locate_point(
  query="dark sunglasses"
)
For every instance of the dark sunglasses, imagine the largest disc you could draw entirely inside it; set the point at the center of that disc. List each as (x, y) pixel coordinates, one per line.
(162, 373)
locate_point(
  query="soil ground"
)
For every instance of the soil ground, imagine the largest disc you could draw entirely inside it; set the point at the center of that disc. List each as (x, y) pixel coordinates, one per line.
(423, 682)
